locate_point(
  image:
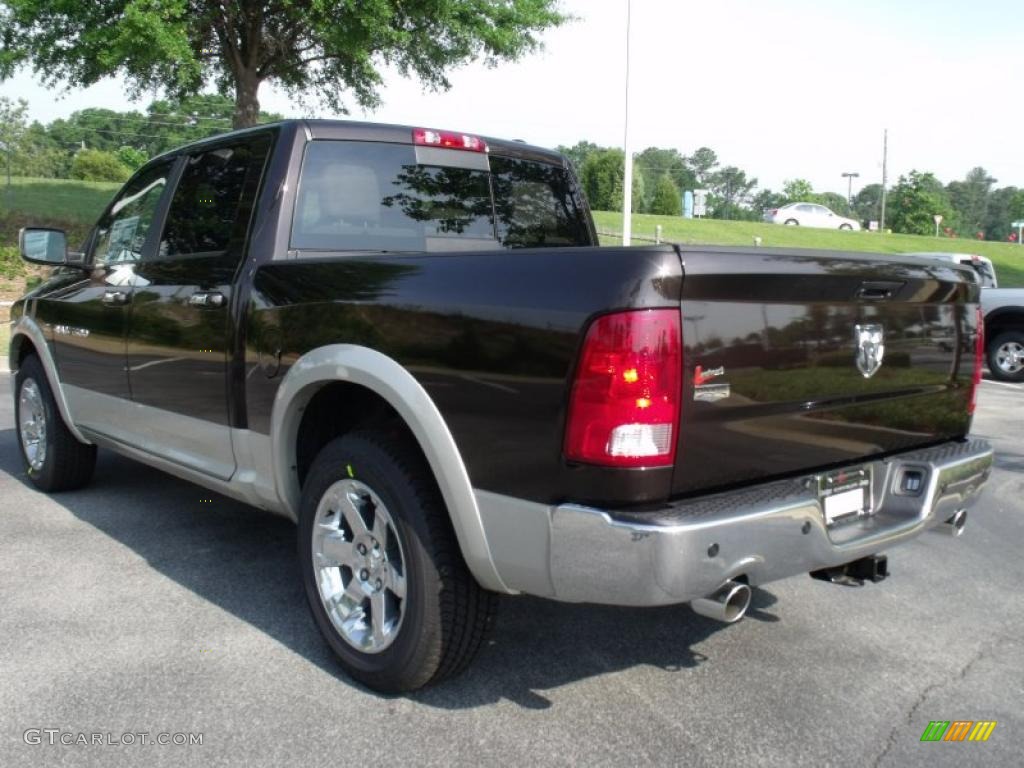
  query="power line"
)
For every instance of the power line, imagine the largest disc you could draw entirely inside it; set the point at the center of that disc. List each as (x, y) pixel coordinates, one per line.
(188, 121)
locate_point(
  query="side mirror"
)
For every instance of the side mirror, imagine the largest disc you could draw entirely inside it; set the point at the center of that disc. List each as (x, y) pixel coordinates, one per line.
(45, 246)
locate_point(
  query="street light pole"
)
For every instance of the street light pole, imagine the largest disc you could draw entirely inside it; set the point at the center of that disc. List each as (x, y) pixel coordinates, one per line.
(627, 181)
(885, 175)
(850, 176)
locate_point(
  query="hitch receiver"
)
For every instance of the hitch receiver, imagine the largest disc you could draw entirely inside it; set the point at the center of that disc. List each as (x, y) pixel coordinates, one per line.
(874, 568)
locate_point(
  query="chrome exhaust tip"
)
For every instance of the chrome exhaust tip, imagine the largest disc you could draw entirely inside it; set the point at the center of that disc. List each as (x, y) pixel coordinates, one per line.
(955, 525)
(728, 604)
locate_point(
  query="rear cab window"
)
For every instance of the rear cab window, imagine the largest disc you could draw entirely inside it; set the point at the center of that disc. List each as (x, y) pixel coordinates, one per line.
(377, 196)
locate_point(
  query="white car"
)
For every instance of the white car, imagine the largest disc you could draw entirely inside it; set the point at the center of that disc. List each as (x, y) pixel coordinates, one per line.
(809, 215)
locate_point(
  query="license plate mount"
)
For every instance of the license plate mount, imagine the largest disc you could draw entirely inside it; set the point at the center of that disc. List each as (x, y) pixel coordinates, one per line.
(845, 495)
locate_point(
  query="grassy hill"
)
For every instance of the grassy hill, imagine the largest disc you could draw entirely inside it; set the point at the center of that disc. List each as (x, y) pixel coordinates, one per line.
(1008, 257)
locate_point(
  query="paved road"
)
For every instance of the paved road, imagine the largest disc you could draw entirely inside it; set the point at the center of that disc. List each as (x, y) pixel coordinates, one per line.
(136, 606)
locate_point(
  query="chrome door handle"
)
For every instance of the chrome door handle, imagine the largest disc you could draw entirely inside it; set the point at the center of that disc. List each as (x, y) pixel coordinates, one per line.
(115, 298)
(207, 299)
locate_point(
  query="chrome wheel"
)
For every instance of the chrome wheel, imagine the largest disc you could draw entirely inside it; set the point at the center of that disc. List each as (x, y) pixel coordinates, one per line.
(359, 566)
(32, 423)
(1010, 357)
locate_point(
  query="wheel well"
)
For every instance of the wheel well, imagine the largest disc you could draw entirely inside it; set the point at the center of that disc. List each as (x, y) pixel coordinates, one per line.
(1000, 322)
(338, 408)
(21, 347)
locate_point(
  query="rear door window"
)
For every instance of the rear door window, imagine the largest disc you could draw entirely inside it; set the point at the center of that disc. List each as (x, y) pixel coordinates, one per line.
(373, 196)
(213, 202)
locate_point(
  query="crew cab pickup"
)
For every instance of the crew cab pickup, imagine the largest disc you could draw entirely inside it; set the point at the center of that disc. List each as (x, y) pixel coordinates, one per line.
(409, 342)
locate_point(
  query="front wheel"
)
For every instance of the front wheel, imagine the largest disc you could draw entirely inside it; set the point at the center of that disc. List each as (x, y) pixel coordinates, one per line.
(846, 227)
(54, 458)
(382, 569)
(1006, 356)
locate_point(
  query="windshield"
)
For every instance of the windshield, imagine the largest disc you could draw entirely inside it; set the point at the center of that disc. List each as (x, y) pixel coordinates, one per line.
(375, 196)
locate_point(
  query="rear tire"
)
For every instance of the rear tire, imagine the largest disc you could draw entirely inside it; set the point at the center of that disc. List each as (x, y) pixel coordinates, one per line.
(388, 589)
(792, 223)
(1005, 355)
(54, 458)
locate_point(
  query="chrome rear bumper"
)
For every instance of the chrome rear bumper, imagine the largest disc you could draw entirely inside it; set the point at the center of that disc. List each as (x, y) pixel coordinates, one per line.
(690, 548)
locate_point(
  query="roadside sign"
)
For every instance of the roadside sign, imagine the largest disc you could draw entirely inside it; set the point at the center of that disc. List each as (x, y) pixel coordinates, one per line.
(700, 202)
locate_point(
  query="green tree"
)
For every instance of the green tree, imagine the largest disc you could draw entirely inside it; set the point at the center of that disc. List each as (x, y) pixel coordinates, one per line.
(656, 162)
(579, 152)
(703, 163)
(328, 47)
(98, 165)
(798, 191)
(731, 189)
(665, 200)
(766, 200)
(13, 126)
(834, 201)
(970, 201)
(913, 202)
(867, 204)
(1017, 205)
(999, 215)
(131, 157)
(602, 177)
(39, 155)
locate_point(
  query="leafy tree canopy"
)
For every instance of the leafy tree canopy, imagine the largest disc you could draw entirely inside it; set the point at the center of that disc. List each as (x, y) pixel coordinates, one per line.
(913, 202)
(333, 49)
(666, 200)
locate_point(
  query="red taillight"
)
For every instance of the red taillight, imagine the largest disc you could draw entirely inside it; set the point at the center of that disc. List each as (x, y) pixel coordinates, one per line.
(979, 359)
(624, 406)
(448, 140)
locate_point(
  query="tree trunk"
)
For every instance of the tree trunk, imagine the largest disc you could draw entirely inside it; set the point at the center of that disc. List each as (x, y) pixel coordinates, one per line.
(247, 103)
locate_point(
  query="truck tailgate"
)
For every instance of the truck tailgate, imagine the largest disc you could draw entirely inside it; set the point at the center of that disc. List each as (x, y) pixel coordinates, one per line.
(801, 361)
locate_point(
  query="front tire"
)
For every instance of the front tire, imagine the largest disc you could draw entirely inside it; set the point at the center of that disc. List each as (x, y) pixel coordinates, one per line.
(846, 227)
(1006, 356)
(382, 569)
(54, 458)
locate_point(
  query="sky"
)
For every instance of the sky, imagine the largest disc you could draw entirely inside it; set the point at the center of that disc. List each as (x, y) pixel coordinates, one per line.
(781, 88)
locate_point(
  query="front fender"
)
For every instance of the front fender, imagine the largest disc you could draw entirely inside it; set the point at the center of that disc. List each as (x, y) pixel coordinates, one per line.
(27, 330)
(389, 380)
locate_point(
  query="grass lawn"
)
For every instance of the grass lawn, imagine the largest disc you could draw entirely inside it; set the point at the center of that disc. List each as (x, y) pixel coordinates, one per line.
(1008, 258)
(60, 198)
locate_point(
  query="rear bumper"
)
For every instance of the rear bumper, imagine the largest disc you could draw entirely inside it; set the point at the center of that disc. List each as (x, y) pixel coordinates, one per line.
(690, 548)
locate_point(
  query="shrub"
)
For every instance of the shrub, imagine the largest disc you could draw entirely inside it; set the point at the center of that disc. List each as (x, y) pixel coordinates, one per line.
(97, 165)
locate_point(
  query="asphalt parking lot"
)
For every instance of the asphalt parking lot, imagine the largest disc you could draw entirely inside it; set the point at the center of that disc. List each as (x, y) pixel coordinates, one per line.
(145, 604)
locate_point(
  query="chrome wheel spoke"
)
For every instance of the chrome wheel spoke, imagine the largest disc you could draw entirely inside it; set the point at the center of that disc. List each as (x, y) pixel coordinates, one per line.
(395, 582)
(351, 510)
(378, 617)
(380, 531)
(335, 550)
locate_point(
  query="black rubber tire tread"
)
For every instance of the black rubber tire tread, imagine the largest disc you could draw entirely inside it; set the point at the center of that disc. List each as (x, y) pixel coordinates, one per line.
(990, 354)
(458, 615)
(69, 464)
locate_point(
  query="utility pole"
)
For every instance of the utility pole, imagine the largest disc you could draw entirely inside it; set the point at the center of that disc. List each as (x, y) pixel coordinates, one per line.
(627, 182)
(885, 175)
(850, 176)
